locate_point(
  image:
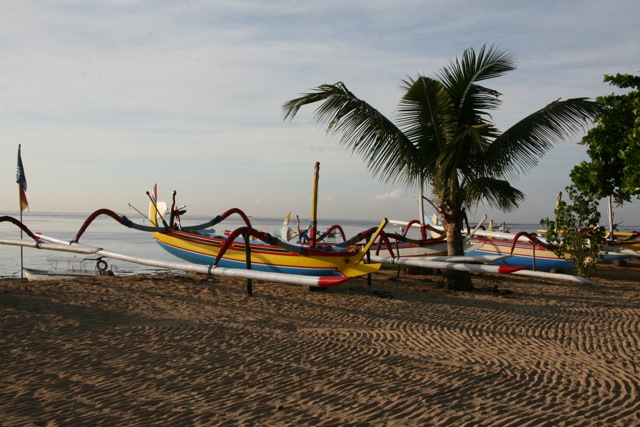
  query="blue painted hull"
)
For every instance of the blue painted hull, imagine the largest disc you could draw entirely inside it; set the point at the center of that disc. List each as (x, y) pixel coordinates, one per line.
(543, 264)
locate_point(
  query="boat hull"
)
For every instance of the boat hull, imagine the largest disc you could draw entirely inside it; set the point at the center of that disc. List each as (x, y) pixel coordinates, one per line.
(539, 262)
(633, 244)
(33, 274)
(534, 257)
(201, 248)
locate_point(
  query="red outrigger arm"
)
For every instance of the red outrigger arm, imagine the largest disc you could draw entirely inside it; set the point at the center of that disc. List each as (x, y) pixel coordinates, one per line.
(533, 238)
(20, 225)
(130, 224)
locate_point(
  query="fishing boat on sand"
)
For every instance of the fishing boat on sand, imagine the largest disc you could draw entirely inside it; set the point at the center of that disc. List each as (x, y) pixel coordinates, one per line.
(249, 248)
(521, 249)
(252, 249)
(64, 268)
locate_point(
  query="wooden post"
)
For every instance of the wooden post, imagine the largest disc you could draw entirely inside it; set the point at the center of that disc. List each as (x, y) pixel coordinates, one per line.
(368, 274)
(533, 246)
(247, 249)
(610, 214)
(21, 254)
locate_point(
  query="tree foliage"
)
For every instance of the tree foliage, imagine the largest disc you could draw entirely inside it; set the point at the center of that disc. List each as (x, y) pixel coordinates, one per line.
(613, 145)
(575, 233)
(444, 136)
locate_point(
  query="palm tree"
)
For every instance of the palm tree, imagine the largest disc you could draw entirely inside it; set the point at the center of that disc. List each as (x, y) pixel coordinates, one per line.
(444, 136)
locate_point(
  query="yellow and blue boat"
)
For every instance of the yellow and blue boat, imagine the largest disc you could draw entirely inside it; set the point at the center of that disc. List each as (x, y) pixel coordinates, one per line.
(248, 248)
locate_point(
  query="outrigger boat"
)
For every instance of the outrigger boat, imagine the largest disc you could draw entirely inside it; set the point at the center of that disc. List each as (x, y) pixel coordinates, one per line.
(524, 249)
(252, 249)
(527, 249)
(525, 252)
(248, 248)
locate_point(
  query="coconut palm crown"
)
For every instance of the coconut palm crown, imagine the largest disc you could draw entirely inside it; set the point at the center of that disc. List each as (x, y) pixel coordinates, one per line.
(444, 136)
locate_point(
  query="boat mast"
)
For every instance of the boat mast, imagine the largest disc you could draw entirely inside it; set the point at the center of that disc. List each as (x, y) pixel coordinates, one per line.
(421, 203)
(314, 206)
(610, 212)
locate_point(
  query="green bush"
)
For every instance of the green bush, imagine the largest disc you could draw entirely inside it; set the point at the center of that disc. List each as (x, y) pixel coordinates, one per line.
(576, 233)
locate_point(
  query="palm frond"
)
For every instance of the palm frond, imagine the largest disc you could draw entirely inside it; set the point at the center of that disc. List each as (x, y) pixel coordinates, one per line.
(519, 148)
(495, 192)
(425, 118)
(473, 101)
(457, 161)
(363, 129)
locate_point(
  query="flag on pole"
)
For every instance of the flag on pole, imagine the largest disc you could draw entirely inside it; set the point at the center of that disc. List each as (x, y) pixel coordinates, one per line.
(21, 179)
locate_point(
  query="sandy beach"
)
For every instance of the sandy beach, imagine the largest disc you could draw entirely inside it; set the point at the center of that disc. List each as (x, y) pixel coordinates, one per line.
(197, 351)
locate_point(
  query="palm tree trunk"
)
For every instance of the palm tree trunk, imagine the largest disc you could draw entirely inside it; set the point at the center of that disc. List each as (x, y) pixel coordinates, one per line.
(456, 280)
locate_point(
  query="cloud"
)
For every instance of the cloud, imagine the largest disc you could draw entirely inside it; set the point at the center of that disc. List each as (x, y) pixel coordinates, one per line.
(391, 195)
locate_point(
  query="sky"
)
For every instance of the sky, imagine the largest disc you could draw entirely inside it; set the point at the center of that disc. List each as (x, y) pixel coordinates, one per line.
(109, 97)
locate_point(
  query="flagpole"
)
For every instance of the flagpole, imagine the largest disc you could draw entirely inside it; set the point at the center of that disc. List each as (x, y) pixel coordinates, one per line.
(21, 248)
(21, 180)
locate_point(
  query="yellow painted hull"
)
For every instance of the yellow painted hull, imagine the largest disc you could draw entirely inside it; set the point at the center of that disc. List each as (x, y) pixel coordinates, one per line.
(201, 248)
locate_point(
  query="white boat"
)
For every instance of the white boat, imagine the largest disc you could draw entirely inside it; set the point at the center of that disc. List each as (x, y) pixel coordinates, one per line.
(70, 268)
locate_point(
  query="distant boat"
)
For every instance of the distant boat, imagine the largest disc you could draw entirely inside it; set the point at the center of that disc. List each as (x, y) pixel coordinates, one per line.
(525, 249)
(64, 268)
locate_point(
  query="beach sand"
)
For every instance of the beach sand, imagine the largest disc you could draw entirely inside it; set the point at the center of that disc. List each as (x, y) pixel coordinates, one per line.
(195, 350)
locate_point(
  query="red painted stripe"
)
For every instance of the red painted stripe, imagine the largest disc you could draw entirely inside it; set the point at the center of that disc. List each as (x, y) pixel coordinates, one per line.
(325, 281)
(506, 269)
